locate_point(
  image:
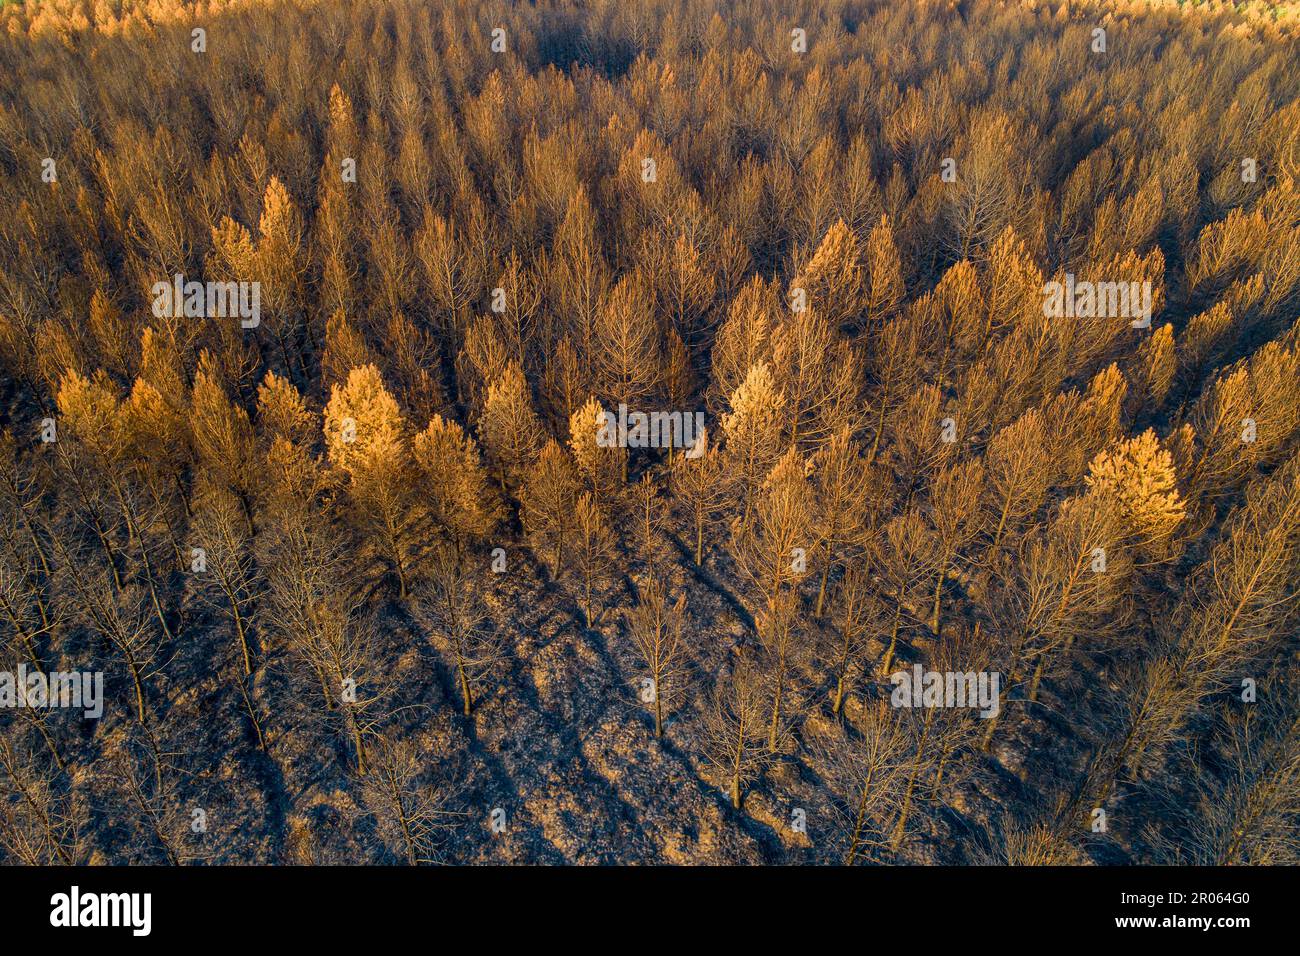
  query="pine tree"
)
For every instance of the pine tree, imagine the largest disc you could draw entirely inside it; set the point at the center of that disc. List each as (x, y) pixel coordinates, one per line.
(884, 275)
(454, 484)
(282, 412)
(601, 463)
(771, 549)
(857, 617)
(548, 499)
(628, 349)
(345, 349)
(820, 376)
(411, 814)
(752, 431)
(224, 441)
(593, 551)
(459, 620)
(229, 564)
(647, 509)
(656, 627)
(509, 427)
(365, 440)
(833, 277)
(698, 484)
(867, 772)
(733, 729)
(906, 557)
(956, 519)
(743, 340)
(1017, 473)
(1139, 475)
(483, 360)
(848, 495)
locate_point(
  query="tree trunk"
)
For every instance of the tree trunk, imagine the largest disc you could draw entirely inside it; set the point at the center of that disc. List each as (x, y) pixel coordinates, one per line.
(893, 641)
(843, 673)
(880, 425)
(737, 763)
(776, 698)
(901, 826)
(252, 713)
(139, 691)
(938, 597)
(1012, 674)
(464, 685)
(826, 573)
(1002, 521)
(242, 634)
(859, 820)
(359, 745)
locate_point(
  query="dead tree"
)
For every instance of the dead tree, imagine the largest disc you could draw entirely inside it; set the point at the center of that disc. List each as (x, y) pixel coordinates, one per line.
(460, 625)
(410, 807)
(733, 729)
(656, 628)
